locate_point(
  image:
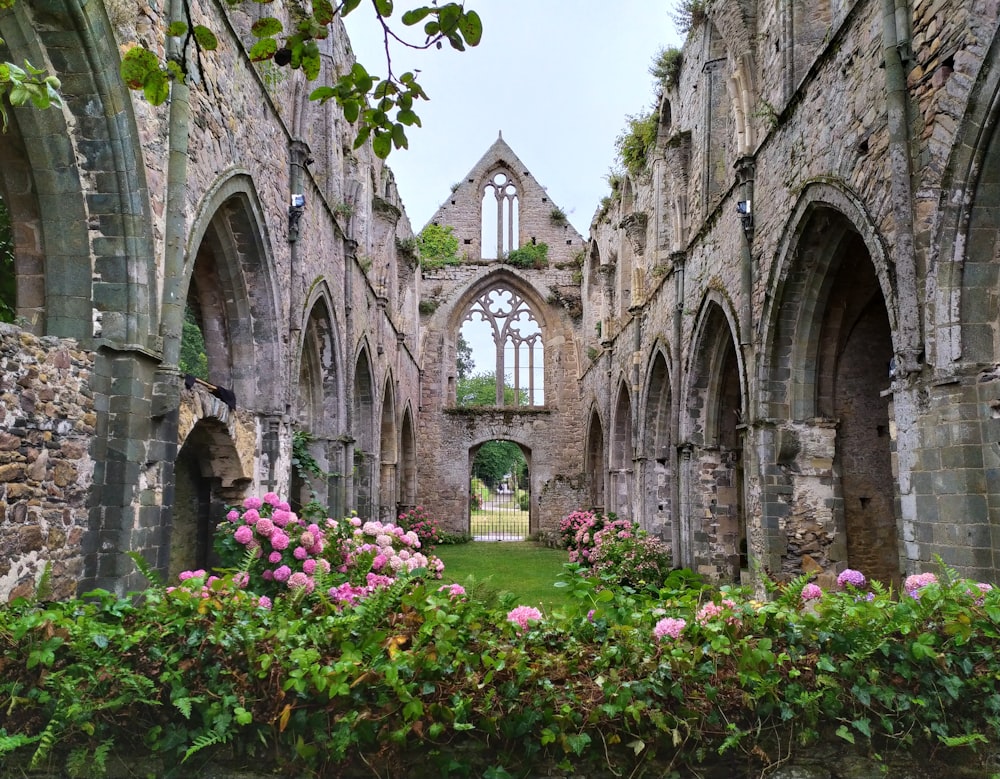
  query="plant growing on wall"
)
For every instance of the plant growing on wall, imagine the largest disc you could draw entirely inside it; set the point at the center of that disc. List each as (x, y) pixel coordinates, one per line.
(532, 255)
(558, 217)
(689, 14)
(636, 142)
(438, 247)
(666, 67)
(26, 85)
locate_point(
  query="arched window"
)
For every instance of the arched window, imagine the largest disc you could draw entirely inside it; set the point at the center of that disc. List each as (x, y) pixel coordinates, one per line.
(500, 324)
(500, 216)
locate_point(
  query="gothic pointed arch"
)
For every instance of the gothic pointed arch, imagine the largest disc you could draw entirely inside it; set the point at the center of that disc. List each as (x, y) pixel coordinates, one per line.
(232, 293)
(966, 272)
(506, 317)
(833, 328)
(622, 453)
(407, 461)
(78, 199)
(714, 426)
(596, 462)
(657, 451)
(319, 410)
(388, 453)
(363, 423)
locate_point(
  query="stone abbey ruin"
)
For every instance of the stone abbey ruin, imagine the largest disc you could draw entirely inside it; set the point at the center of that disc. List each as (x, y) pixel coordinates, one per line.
(778, 348)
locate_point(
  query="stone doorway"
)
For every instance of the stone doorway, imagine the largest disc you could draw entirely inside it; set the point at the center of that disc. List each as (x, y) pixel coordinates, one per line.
(499, 492)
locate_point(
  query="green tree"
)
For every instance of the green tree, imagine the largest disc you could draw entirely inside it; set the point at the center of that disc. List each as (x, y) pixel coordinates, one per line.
(481, 390)
(496, 459)
(194, 359)
(8, 280)
(463, 359)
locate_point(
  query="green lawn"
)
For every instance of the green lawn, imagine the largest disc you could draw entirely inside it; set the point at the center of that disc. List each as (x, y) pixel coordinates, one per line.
(525, 568)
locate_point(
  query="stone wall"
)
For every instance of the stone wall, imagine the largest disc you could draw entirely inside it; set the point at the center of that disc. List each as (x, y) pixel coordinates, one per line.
(47, 422)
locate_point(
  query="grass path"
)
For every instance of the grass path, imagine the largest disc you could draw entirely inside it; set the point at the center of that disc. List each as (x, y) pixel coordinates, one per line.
(525, 568)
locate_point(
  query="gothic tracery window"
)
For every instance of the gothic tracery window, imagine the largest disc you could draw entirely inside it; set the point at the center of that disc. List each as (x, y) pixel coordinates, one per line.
(501, 317)
(499, 216)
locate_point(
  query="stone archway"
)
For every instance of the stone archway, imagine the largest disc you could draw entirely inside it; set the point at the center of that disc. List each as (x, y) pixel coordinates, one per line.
(209, 475)
(657, 452)
(715, 521)
(622, 455)
(834, 451)
(596, 462)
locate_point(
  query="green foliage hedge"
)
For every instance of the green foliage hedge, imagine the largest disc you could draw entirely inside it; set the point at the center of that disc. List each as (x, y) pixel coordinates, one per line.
(420, 680)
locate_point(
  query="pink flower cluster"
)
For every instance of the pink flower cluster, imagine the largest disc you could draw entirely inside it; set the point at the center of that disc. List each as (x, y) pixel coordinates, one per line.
(200, 585)
(582, 532)
(522, 616)
(913, 584)
(291, 552)
(711, 610)
(669, 626)
(453, 590)
(851, 578)
(812, 591)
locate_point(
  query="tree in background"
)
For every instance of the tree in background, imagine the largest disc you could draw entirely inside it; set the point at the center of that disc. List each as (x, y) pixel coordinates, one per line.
(463, 359)
(193, 359)
(495, 460)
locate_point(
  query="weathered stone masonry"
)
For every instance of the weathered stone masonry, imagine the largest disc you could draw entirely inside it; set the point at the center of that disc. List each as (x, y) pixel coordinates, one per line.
(777, 348)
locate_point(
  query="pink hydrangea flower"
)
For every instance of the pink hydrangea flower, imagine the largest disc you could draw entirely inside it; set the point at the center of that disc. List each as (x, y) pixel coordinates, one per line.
(279, 540)
(710, 611)
(274, 557)
(523, 615)
(265, 526)
(669, 626)
(453, 590)
(300, 553)
(850, 577)
(282, 573)
(812, 592)
(309, 566)
(252, 503)
(913, 584)
(299, 580)
(272, 498)
(243, 534)
(233, 515)
(264, 602)
(251, 516)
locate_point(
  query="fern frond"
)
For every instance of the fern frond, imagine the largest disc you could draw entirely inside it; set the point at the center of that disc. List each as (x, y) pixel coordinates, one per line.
(43, 590)
(144, 568)
(205, 740)
(18, 740)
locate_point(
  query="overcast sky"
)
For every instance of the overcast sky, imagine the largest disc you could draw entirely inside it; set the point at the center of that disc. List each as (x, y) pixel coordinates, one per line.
(558, 77)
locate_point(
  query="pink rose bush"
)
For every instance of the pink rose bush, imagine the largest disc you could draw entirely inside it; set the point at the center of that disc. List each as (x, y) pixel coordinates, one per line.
(346, 560)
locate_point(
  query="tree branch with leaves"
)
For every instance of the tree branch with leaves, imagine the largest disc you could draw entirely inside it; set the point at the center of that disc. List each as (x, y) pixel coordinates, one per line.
(382, 108)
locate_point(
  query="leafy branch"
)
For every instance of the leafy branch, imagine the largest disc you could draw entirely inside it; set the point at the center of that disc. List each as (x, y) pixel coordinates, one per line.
(382, 108)
(27, 84)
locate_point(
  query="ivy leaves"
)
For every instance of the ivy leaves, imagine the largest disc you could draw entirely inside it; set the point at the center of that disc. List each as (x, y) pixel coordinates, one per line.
(141, 69)
(382, 108)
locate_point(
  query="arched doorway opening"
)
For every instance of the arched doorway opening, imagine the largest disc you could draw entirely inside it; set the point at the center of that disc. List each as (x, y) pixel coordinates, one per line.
(208, 477)
(499, 491)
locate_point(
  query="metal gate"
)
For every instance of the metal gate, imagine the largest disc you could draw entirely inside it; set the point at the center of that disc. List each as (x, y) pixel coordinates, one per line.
(497, 515)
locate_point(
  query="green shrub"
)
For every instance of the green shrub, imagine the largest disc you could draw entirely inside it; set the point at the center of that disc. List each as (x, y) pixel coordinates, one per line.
(636, 142)
(531, 255)
(438, 247)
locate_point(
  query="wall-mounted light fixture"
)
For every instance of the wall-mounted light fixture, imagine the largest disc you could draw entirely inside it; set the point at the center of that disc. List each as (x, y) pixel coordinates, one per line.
(296, 207)
(745, 210)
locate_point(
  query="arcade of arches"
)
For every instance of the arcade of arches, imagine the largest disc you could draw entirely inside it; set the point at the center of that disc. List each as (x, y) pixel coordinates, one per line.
(776, 348)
